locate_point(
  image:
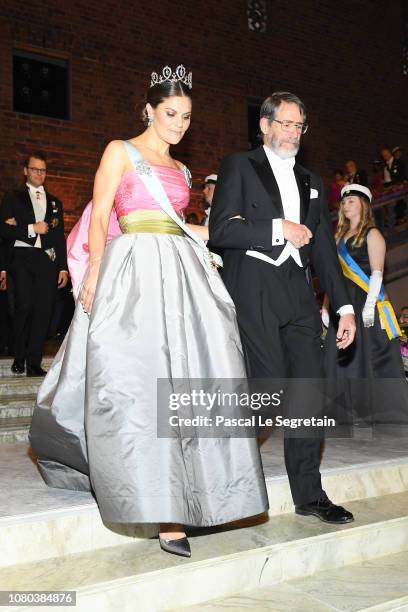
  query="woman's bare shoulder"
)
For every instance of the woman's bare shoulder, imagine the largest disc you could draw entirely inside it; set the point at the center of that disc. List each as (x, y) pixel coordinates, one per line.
(114, 153)
(374, 236)
(115, 147)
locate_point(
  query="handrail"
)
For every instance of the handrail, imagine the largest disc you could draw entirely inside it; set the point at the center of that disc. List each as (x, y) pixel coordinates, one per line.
(390, 210)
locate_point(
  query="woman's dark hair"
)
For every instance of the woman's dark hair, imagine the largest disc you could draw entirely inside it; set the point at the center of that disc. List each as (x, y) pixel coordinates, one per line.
(270, 105)
(159, 92)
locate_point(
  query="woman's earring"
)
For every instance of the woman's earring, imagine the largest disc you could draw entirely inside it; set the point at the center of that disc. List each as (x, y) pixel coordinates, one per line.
(149, 121)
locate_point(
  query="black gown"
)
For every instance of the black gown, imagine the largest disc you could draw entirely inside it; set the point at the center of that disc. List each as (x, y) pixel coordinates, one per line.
(369, 374)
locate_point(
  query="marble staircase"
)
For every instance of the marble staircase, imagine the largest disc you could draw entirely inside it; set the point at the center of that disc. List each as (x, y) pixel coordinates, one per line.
(54, 540)
(17, 398)
(376, 585)
(6, 362)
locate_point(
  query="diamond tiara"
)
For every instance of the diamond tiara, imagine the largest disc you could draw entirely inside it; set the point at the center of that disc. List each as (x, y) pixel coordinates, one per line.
(167, 74)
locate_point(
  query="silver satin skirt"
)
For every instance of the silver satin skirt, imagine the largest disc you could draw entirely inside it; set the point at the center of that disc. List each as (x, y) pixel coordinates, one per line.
(157, 313)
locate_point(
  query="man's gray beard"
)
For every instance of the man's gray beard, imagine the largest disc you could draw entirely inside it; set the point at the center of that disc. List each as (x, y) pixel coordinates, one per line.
(281, 151)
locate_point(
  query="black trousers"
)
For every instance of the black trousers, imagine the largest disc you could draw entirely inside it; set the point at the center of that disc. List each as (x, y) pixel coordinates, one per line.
(6, 321)
(280, 328)
(35, 285)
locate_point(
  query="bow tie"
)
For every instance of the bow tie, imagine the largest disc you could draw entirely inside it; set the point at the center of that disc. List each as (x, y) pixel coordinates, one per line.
(276, 162)
(39, 189)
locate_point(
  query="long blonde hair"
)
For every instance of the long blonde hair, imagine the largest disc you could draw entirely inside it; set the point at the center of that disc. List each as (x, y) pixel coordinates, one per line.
(366, 223)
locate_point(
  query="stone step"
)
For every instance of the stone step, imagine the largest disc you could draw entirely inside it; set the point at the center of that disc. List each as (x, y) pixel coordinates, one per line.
(18, 385)
(376, 585)
(58, 522)
(345, 484)
(6, 363)
(225, 561)
(14, 429)
(20, 405)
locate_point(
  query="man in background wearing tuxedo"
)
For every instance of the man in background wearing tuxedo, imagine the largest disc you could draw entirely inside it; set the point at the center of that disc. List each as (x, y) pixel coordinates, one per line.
(270, 219)
(32, 221)
(394, 168)
(354, 175)
(210, 182)
(5, 335)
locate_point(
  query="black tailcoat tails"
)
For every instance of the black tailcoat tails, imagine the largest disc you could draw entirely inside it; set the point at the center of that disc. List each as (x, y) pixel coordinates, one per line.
(277, 312)
(34, 271)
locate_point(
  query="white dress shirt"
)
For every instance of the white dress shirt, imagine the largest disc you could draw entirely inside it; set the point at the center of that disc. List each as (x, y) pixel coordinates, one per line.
(39, 201)
(387, 170)
(206, 219)
(285, 177)
(288, 188)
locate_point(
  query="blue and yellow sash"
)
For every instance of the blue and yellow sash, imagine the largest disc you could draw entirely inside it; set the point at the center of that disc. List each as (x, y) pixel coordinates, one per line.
(352, 270)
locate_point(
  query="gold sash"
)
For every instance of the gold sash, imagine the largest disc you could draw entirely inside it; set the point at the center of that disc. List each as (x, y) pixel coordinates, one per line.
(149, 222)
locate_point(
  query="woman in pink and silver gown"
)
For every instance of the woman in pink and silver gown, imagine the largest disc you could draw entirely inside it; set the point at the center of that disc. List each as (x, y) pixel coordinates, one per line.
(155, 314)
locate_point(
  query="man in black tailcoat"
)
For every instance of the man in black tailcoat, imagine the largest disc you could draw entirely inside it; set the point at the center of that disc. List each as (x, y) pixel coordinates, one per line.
(32, 222)
(5, 335)
(270, 220)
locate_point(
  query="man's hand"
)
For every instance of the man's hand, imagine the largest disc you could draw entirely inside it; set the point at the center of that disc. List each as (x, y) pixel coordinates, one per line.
(62, 279)
(41, 227)
(346, 331)
(296, 234)
(3, 281)
(11, 221)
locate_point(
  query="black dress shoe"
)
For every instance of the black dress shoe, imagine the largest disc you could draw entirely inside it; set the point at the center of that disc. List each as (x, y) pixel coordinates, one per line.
(180, 547)
(18, 366)
(326, 511)
(34, 370)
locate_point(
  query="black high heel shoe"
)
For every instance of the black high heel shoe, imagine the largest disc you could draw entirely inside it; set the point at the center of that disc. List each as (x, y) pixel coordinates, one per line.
(180, 547)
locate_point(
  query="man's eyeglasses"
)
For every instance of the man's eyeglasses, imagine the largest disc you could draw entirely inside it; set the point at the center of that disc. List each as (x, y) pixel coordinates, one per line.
(37, 170)
(288, 125)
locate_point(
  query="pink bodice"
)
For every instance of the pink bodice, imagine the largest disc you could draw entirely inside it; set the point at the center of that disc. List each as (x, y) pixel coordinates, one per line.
(132, 194)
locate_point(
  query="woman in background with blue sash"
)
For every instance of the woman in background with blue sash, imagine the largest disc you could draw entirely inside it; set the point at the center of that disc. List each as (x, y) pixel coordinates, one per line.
(375, 387)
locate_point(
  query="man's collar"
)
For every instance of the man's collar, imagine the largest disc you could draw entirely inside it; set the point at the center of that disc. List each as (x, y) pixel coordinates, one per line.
(32, 188)
(278, 162)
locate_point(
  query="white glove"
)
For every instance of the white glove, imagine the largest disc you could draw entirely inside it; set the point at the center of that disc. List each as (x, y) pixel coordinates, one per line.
(374, 287)
(325, 317)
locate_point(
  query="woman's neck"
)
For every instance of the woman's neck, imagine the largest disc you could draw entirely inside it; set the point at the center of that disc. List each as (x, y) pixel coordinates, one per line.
(150, 140)
(353, 226)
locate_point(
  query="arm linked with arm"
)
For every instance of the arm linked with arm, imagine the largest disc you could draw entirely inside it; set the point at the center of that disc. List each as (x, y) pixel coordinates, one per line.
(228, 227)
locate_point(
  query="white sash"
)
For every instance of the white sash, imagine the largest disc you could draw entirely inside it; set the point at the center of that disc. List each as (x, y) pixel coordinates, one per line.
(156, 190)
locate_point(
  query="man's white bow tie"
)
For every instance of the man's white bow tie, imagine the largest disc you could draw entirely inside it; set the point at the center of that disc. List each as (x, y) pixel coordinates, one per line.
(277, 162)
(39, 189)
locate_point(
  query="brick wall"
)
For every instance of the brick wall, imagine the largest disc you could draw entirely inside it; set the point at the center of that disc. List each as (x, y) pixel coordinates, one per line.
(343, 59)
